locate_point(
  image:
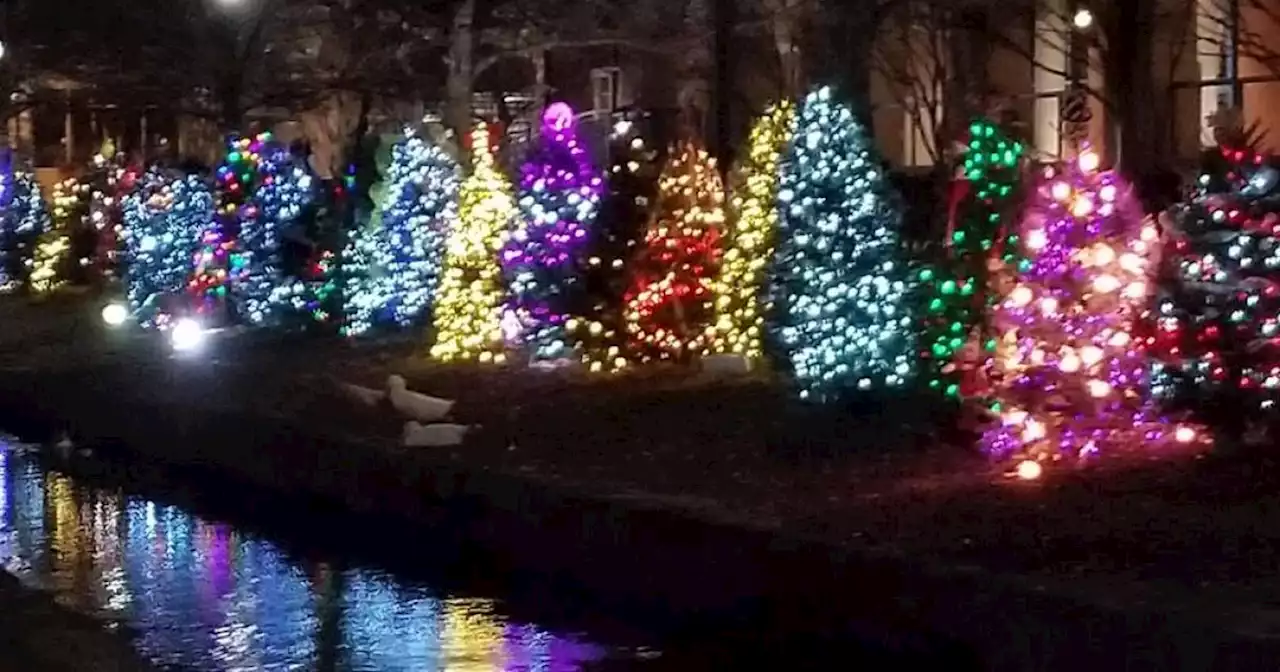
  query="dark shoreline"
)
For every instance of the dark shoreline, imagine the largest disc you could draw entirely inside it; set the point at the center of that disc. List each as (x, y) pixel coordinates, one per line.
(677, 569)
(39, 635)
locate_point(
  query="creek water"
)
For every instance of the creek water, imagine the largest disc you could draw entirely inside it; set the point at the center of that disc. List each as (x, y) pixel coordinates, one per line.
(199, 594)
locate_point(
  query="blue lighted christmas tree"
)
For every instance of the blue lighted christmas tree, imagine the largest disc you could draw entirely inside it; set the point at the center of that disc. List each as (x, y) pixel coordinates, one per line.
(392, 265)
(840, 282)
(560, 194)
(261, 292)
(23, 217)
(163, 219)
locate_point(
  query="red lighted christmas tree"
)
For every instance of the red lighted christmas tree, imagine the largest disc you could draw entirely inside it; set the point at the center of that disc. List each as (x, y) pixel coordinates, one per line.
(670, 305)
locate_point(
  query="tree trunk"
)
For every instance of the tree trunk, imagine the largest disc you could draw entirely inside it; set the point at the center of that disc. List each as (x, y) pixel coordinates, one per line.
(461, 78)
(1136, 115)
(784, 26)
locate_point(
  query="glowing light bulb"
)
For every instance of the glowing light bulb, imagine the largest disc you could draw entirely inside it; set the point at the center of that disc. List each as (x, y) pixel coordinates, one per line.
(1014, 417)
(1184, 435)
(1135, 290)
(1069, 364)
(1108, 193)
(1037, 239)
(1131, 262)
(1091, 354)
(1049, 305)
(1061, 191)
(1106, 283)
(1021, 296)
(1099, 388)
(1081, 206)
(1103, 255)
(1089, 161)
(1029, 470)
(1150, 234)
(1119, 339)
(1033, 431)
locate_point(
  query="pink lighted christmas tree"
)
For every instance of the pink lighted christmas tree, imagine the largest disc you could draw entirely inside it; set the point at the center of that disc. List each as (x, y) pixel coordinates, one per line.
(560, 192)
(1072, 379)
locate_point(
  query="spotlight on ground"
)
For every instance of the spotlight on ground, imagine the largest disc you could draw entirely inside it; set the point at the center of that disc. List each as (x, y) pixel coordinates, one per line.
(187, 335)
(115, 314)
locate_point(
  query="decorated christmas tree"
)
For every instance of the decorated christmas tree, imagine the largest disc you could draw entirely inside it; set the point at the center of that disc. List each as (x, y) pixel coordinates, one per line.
(840, 281)
(1216, 339)
(23, 217)
(392, 264)
(749, 239)
(1072, 377)
(163, 221)
(108, 181)
(54, 265)
(261, 188)
(599, 332)
(670, 304)
(468, 312)
(560, 192)
(957, 289)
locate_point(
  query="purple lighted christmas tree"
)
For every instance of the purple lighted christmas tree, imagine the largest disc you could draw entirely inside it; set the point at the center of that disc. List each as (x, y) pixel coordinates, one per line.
(560, 192)
(1072, 375)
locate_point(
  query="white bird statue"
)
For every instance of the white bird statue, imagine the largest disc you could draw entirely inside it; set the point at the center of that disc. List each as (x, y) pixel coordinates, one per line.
(415, 405)
(364, 395)
(417, 435)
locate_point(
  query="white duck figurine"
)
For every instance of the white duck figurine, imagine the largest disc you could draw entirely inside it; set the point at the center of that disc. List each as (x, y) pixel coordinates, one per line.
(415, 405)
(366, 396)
(417, 435)
(64, 446)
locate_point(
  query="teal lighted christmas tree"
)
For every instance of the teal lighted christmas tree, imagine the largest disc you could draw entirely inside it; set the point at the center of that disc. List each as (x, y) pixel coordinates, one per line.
(392, 265)
(841, 285)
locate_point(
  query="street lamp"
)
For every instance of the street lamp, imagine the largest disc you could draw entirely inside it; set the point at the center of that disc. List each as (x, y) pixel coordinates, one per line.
(1083, 19)
(2, 50)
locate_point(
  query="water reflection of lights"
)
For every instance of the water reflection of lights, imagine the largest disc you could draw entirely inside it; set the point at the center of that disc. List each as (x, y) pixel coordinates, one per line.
(203, 596)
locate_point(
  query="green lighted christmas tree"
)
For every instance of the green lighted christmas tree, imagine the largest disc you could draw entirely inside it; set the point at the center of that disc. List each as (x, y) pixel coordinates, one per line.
(956, 289)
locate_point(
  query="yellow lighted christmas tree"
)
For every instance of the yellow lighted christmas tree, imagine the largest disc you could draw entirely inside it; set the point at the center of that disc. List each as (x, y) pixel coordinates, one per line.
(49, 264)
(468, 312)
(748, 241)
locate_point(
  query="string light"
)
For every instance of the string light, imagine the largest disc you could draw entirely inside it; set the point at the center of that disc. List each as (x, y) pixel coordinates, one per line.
(468, 313)
(560, 191)
(50, 265)
(1071, 385)
(393, 263)
(670, 303)
(163, 220)
(749, 240)
(840, 285)
(599, 332)
(957, 291)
